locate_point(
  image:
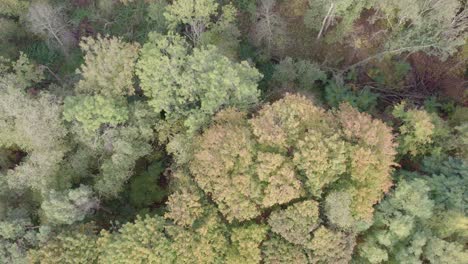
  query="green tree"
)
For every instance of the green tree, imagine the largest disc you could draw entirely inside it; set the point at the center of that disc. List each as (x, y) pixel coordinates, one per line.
(144, 188)
(108, 68)
(422, 218)
(192, 85)
(338, 210)
(434, 26)
(13, 7)
(139, 242)
(69, 206)
(194, 13)
(277, 250)
(32, 125)
(68, 247)
(15, 235)
(93, 111)
(330, 246)
(245, 244)
(123, 146)
(298, 73)
(421, 133)
(184, 207)
(296, 221)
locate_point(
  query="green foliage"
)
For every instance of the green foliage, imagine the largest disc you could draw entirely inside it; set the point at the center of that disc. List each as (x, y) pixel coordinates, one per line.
(277, 250)
(338, 210)
(330, 246)
(135, 19)
(144, 188)
(184, 207)
(421, 133)
(363, 99)
(296, 221)
(434, 27)
(321, 15)
(10, 33)
(248, 6)
(67, 247)
(123, 146)
(155, 15)
(15, 236)
(93, 111)
(69, 206)
(202, 30)
(390, 73)
(283, 182)
(196, 13)
(192, 86)
(108, 67)
(418, 221)
(14, 8)
(302, 73)
(314, 16)
(141, 242)
(205, 243)
(40, 52)
(440, 251)
(224, 34)
(32, 125)
(245, 244)
(21, 73)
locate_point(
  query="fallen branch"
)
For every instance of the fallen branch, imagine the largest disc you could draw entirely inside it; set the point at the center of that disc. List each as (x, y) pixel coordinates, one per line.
(325, 22)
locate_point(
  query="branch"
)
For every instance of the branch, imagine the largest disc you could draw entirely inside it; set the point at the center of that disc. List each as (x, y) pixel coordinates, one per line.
(324, 22)
(379, 55)
(52, 73)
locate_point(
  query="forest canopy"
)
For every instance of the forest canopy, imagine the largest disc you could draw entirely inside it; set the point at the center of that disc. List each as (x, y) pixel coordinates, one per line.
(233, 131)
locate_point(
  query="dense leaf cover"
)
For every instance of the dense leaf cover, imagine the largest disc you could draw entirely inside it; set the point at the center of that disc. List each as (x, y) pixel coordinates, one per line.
(247, 131)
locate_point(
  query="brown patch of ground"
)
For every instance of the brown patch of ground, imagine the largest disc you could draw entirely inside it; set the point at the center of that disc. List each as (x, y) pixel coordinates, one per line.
(430, 75)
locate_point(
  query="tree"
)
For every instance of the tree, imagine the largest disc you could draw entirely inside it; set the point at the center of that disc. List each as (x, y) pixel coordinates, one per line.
(184, 207)
(336, 94)
(14, 8)
(69, 206)
(292, 149)
(142, 241)
(49, 22)
(296, 222)
(192, 85)
(418, 222)
(246, 241)
(123, 146)
(144, 188)
(194, 13)
(224, 34)
(108, 68)
(329, 246)
(421, 133)
(15, 235)
(433, 26)
(338, 210)
(32, 125)
(68, 247)
(269, 30)
(277, 250)
(205, 243)
(93, 111)
(298, 73)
